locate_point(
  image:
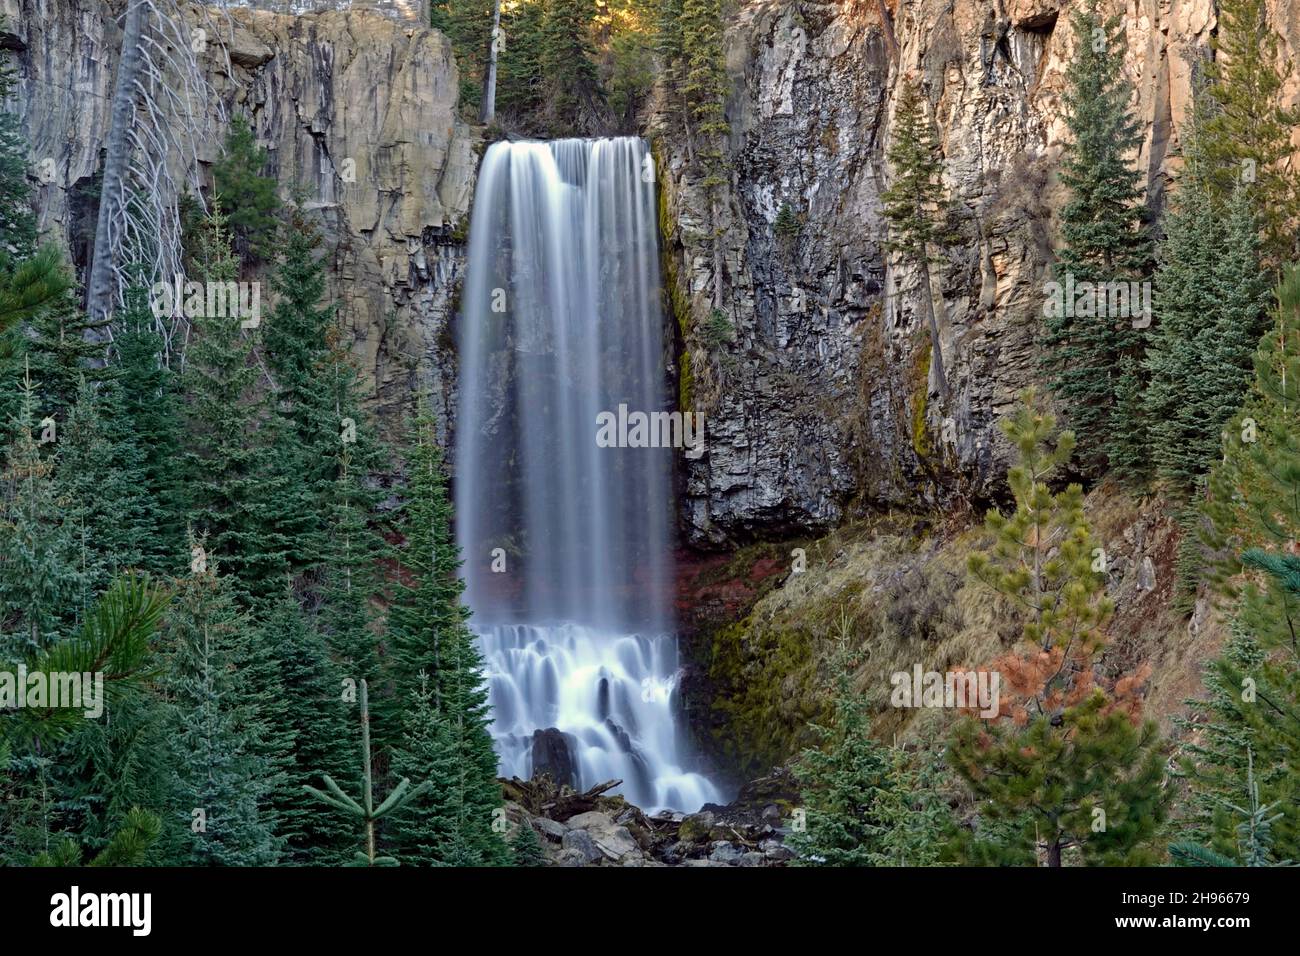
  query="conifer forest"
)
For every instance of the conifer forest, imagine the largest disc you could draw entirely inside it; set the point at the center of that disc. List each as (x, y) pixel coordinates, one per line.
(588, 434)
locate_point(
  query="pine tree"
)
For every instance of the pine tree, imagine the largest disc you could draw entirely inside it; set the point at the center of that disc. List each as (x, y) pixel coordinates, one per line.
(222, 786)
(435, 653)
(566, 60)
(1104, 240)
(230, 490)
(247, 194)
(316, 715)
(914, 206)
(525, 847)
(520, 75)
(95, 482)
(147, 423)
(1065, 764)
(468, 24)
(1253, 496)
(40, 586)
(859, 795)
(366, 812)
(1247, 129)
(1211, 302)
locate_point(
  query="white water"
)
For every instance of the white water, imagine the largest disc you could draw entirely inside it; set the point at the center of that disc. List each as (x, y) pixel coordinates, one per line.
(567, 545)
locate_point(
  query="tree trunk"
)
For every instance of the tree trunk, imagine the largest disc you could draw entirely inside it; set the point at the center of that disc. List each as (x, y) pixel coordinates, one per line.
(717, 249)
(101, 286)
(489, 108)
(936, 351)
(1054, 853)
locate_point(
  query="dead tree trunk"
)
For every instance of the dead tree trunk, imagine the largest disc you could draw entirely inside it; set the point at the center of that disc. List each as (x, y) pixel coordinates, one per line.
(102, 284)
(488, 111)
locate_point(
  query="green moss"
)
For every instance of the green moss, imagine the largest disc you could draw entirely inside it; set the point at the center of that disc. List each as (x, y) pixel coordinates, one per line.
(677, 301)
(920, 393)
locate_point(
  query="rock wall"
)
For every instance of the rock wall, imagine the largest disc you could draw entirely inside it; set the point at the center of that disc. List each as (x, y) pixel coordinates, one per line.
(826, 400)
(355, 108)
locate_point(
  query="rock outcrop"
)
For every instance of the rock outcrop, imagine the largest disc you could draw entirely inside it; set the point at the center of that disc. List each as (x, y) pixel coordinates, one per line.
(826, 400)
(357, 107)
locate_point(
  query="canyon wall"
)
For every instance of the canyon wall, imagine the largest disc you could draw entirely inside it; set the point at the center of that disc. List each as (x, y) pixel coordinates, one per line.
(357, 108)
(826, 401)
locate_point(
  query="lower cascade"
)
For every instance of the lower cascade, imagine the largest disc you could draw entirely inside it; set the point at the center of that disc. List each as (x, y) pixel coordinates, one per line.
(567, 541)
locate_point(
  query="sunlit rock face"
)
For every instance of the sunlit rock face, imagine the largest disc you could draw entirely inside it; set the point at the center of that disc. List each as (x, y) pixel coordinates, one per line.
(827, 400)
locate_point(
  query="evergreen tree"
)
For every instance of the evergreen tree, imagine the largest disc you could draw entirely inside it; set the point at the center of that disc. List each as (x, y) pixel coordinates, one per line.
(146, 420)
(1211, 302)
(525, 847)
(565, 57)
(520, 77)
(1254, 489)
(40, 585)
(316, 715)
(434, 653)
(468, 24)
(247, 194)
(1247, 130)
(366, 812)
(1104, 240)
(914, 206)
(860, 796)
(1064, 764)
(222, 786)
(231, 492)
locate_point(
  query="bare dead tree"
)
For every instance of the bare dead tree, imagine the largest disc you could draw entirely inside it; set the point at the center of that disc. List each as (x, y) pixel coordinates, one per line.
(161, 99)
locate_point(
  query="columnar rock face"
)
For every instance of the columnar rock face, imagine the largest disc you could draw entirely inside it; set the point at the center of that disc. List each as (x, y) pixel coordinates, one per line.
(827, 398)
(358, 112)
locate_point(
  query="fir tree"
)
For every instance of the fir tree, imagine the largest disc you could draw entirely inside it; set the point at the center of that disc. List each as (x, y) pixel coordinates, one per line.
(315, 713)
(914, 206)
(1065, 764)
(247, 194)
(1211, 302)
(434, 653)
(222, 786)
(1253, 497)
(468, 24)
(1247, 130)
(1104, 240)
(40, 586)
(146, 417)
(231, 492)
(565, 59)
(366, 812)
(859, 795)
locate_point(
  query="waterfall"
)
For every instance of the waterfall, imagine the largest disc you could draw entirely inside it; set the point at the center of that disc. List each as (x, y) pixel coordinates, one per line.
(568, 545)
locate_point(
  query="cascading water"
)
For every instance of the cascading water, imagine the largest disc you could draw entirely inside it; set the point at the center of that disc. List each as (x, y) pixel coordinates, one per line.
(567, 545)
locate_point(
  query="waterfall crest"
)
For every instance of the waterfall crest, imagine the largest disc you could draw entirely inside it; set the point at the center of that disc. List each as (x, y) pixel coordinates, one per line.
(567, 545)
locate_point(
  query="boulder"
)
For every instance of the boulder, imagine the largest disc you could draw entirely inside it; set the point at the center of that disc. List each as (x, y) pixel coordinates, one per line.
(580, 848)
(553, 755)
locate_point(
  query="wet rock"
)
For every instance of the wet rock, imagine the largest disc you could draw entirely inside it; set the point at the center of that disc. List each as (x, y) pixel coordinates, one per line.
(696, 827)
(578, 846)
(723, 852)
(551, 829)
(553, 755)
